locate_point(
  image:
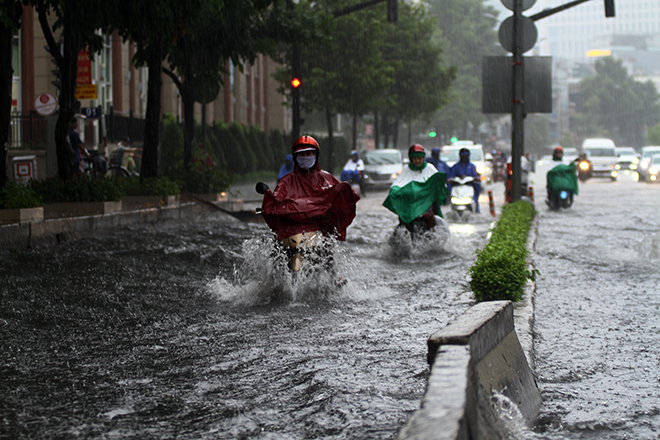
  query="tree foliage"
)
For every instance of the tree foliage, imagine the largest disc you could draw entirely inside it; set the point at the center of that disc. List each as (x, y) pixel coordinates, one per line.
(467, 34)
(616, 105)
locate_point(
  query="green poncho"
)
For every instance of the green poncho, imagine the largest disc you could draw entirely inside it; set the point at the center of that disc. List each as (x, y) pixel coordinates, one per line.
(563, 178)
(414, 192)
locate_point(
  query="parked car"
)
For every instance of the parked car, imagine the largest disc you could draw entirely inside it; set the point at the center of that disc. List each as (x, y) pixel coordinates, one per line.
(601, 153)
(643, 168)
(449, 154)
(654, 168)
(628, 159)
(381, 167)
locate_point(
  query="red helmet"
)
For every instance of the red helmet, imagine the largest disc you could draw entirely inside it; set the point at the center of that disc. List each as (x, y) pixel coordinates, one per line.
(416, 150)
(304, 143)
(559, 149)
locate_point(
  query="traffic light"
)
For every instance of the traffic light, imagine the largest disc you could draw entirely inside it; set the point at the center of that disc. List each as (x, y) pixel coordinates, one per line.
(295, 83)
(432, 134)
(393, 11)
(609, 8)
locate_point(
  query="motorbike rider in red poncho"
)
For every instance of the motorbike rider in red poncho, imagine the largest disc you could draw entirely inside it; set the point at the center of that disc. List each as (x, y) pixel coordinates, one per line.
(308, 199)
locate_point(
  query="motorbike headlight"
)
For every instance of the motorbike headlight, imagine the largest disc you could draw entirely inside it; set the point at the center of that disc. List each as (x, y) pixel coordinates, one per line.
(644, 164)
(395, 175)
(461, 200)
(584, 166)
(480, 169)
(653, 170)
(614, 174)
(617, 167)
(633, 167)
(635, 161)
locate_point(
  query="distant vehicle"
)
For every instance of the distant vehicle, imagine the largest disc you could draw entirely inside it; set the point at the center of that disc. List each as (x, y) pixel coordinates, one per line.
(601, 153)
(628, 159)
(381, 167)
(449, 154)
(643, 167)
(654, 168)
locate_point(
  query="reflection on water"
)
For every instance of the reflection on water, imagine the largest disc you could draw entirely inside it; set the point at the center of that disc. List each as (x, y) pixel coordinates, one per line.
(188, 331)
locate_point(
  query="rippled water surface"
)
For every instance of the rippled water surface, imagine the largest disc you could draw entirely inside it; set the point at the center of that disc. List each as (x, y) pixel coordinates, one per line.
(185, 331)
(597, 315)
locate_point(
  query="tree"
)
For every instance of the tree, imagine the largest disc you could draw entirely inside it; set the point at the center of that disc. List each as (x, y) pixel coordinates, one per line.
(344, 73)
(10, 22)
(467, 34)
(617, 105)
(421, 84)
(229, 30)
(167, 22)
(77, 22)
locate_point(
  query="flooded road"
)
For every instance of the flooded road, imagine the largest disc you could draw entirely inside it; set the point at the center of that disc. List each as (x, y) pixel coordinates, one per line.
(597, 313)
(185, 332)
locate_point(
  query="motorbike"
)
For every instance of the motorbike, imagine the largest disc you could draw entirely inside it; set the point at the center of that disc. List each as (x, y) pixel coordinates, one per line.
(561, 199)
(562, 185)
(303, 251)
(462, 196)
(425, 227)
(584, 170)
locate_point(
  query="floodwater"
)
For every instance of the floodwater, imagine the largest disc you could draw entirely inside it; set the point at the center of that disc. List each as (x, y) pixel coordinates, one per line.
(187, 332)
(597, 313)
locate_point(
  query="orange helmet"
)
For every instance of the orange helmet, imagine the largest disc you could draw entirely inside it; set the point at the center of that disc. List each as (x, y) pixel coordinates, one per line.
(416, 150)
(305, 143)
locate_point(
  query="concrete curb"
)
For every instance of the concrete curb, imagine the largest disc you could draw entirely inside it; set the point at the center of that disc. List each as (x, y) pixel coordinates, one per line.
(486, 350)
(53, 231)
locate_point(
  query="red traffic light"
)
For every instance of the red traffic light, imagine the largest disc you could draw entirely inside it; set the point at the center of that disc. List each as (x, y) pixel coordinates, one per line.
(295, 83)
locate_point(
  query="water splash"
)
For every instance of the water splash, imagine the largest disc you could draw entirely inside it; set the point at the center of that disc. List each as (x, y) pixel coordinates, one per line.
(261, 275)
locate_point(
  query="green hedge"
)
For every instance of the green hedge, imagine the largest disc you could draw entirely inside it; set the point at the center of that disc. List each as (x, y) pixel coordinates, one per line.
(500, 272)
(85, 188)
(239, 149)
(153, 186)
(16, 195)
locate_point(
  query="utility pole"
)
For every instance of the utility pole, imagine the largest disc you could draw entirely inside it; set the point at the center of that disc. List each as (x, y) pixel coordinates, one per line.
(518, 138)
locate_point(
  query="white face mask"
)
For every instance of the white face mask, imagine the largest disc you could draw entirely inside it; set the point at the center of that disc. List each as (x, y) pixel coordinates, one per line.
(306, 162)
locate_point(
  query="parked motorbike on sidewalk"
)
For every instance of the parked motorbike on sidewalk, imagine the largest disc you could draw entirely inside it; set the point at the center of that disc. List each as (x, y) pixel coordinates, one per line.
(462, 196)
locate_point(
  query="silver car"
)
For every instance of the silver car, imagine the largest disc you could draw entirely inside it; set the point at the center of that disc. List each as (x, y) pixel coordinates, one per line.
(381, 167)
(643, 168)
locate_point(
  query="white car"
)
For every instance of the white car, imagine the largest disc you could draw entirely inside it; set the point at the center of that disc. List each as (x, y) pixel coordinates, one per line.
(628, 159)
(654, 168)
(643, 168)
(450, 155)
(381, 167)
(601, 153)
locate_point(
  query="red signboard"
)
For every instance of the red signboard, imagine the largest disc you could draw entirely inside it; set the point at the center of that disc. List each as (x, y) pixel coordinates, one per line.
(84, 68)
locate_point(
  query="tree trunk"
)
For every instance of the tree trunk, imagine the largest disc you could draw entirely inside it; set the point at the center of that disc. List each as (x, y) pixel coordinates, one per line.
(354, 131)
(188, 99)
(67, 62)
(396, 133)
(152, 118)
(13, 10)
(376, 131)
(331, 146)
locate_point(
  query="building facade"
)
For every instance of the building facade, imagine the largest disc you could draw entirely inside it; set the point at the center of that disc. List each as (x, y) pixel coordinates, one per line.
(247, 97)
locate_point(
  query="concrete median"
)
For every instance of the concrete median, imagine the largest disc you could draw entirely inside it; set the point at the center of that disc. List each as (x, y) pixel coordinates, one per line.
(475, 356)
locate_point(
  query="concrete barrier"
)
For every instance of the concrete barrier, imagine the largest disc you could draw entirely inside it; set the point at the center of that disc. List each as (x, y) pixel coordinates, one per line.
(471, 358)
(53, 231)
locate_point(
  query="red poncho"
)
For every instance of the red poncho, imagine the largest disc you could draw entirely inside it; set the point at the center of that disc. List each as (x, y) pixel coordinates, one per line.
(309, 201)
